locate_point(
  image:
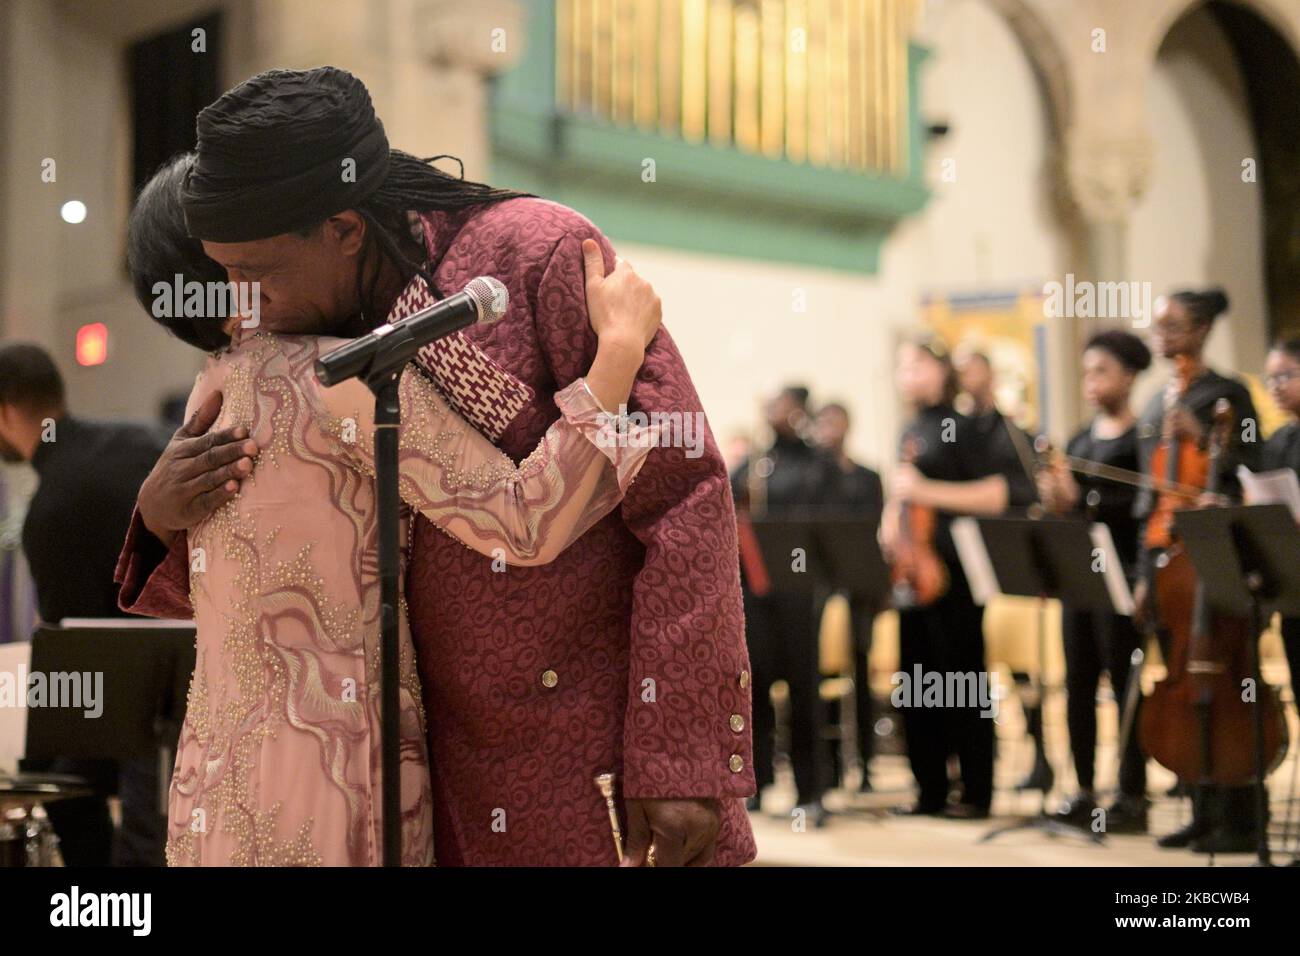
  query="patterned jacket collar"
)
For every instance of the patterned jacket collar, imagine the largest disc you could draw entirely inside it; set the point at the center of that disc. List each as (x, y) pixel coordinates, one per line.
(486, 394)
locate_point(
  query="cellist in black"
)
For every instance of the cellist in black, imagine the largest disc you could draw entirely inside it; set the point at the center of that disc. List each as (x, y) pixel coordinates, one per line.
(1181, 416)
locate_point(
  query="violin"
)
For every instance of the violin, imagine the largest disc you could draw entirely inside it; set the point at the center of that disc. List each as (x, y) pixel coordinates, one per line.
(1195, 721)
(918, 574)
(1179, 460)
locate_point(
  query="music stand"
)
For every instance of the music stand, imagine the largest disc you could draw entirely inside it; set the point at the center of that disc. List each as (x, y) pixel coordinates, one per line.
(1245, 560)
(778, 541)
(146, 673)
(1042, 558)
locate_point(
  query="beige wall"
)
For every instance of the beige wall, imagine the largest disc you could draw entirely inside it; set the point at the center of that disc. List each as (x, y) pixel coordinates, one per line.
(64, 82)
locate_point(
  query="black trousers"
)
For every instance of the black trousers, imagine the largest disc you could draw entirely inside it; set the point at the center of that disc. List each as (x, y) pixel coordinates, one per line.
(782, 631)
(948, 638)
(863, 614)
(1096, 642)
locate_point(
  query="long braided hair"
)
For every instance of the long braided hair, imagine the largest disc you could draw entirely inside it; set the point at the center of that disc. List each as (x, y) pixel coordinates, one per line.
(415, 184)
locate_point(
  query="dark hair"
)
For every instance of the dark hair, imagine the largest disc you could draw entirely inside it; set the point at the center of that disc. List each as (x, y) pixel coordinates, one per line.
(936, 348)
(29, 379)
(1202, 307)
(1290, 346)
(159, 248)
(798, 393)
(1129, 350)
(415, 184)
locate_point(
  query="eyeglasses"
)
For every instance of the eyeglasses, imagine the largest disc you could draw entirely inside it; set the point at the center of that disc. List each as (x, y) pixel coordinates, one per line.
(1279, 379)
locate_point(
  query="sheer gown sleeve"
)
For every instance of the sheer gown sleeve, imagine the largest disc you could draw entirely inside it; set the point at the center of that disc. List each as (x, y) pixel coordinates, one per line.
(459, 480)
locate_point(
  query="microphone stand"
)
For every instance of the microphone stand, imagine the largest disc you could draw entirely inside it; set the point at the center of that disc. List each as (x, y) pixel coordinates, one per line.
(392, 350)
(382, 379)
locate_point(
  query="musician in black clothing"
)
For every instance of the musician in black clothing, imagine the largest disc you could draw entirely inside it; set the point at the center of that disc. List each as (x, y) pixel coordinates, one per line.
(1011, 445)
(90, 473)
(858, 493)
(1282, 376)
(946, 468)
(1222, 817)
(1094, 641)
(791, 479)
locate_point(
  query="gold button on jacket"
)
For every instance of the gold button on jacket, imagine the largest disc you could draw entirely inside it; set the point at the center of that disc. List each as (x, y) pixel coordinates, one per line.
(550, 678)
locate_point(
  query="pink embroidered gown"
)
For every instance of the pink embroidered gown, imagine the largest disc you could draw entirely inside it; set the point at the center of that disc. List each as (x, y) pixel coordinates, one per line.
(279, 758)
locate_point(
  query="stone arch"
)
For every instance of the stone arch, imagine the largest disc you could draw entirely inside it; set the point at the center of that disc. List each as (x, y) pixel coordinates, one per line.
(1285, 20)
(1041, 48)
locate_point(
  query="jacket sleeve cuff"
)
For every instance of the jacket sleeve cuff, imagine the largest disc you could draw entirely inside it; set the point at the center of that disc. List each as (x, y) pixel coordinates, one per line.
(154, 579)
(669, 778)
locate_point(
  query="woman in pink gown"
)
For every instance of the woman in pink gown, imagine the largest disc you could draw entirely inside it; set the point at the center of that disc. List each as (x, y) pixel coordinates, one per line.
(279, 760)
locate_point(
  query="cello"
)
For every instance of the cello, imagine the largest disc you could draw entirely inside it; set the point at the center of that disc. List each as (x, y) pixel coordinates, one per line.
(1196, 719)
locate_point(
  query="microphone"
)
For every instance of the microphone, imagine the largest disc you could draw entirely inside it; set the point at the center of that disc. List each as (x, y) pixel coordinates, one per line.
(483, 300)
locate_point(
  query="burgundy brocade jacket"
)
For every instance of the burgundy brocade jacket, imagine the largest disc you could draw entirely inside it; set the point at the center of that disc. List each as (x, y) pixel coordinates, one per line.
(625, 654)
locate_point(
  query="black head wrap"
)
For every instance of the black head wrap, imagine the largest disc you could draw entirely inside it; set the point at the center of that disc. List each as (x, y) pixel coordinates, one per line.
(273, 155)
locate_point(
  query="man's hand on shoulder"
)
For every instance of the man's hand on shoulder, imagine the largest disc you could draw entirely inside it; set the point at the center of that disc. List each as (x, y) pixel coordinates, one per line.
(198, 472)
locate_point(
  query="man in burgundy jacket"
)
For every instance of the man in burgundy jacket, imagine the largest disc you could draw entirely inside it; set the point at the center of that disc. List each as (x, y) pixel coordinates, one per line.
(627, 653)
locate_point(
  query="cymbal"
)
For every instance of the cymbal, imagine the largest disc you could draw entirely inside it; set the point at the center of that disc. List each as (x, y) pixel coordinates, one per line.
(23, 789)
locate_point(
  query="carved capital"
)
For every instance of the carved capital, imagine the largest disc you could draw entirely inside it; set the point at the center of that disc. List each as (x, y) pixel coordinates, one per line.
(1108, 173)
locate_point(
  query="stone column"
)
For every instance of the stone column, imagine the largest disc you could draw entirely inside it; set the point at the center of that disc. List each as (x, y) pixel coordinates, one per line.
(1107, 173)
(425, 62)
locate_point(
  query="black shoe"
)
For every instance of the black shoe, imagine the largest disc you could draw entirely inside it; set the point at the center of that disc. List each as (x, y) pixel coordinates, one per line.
(1078, 811)
(1223, 840)
(917, 810)
(965, 811)
(1126, 815)
(815, 814)
(1042, 777)
(1182, 839)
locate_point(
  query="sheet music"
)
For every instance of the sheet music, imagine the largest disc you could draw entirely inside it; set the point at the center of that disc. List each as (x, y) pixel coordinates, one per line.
(1121, 598)
(1278, 487)
(975, 560)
